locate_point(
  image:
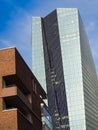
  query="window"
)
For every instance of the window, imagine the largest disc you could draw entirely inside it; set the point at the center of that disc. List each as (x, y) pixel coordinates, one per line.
(34, 84)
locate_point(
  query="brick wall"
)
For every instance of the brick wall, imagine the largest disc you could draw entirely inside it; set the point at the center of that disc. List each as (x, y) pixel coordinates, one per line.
(15, 70)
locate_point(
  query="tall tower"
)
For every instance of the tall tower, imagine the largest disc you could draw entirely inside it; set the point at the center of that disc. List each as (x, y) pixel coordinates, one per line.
(71, 78)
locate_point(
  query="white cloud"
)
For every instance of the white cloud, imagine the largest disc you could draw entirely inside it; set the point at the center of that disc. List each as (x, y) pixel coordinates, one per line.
(94, 48)
(5, 42)
(19, 28)
(19, 34)
(91, 26)
(91, 30)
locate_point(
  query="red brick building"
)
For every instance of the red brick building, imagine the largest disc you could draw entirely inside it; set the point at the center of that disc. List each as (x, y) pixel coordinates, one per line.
(20, 94)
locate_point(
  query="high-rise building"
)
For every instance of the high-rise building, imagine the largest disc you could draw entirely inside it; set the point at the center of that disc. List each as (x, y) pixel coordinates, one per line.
(61, 50)
(21, 95)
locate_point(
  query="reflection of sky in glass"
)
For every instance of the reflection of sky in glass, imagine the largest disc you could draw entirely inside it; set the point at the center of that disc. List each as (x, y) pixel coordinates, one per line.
(70, 49)
(79, 71)
(38, 66)
(46, 118)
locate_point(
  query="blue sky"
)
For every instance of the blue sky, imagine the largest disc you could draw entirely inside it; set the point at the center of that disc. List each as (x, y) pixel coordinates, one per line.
(16, 18)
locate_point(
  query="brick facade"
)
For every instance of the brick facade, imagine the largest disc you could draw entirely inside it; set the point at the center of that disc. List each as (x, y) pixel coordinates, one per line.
(20, 94)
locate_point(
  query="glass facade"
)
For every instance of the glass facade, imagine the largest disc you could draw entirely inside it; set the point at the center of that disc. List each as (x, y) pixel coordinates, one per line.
(71, 80)
(71, 55)
(60, 112)
(38, 64)
(46, 118)
(90, 84)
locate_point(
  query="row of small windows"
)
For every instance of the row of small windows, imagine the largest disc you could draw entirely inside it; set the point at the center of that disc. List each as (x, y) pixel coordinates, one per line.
(91, 120)
(89, 101)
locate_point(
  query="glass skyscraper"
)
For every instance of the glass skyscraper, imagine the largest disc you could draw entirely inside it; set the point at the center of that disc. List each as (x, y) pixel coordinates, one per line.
(63, 64)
